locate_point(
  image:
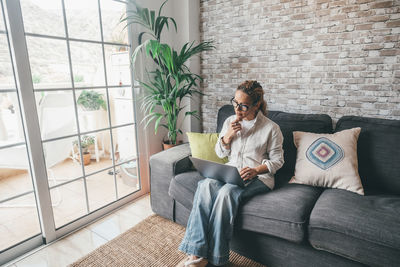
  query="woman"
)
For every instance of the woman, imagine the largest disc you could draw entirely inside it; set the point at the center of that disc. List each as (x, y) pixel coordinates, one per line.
(253, 144)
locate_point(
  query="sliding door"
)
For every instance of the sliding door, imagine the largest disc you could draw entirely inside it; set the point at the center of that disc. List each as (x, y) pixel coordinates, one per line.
(74, 82)
(17, 196)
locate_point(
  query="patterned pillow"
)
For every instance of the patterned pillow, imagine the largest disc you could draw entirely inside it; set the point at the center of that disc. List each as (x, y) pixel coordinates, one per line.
(328, 160)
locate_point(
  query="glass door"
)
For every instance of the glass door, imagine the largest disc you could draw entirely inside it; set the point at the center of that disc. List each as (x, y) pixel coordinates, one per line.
(17, 197)
(80, 111)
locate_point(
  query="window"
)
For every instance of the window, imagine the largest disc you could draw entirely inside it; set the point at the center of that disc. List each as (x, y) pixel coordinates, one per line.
(77, 106)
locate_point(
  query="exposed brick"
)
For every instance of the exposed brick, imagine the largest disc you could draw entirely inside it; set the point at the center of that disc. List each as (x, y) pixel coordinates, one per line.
(393, 24)
(373, 47)
(382, 4)
(378, 18)
(363, 27)
(337, 57)
(389, 52)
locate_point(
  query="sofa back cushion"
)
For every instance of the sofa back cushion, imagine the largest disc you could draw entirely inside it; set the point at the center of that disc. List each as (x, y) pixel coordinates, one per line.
(378, 152)
(288, 122)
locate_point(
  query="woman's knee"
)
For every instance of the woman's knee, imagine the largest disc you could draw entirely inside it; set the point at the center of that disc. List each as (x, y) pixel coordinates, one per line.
(208, 183)
(229, 190)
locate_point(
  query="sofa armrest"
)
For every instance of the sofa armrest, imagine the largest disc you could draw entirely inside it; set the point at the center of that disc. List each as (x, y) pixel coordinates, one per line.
(163, 167)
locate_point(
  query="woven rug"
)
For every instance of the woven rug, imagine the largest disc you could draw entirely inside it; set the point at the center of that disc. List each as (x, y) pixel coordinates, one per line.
(153, 242)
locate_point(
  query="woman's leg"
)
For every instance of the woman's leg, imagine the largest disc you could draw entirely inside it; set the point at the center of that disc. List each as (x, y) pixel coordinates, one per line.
(221, 223)
(223, 216)
(195, 241)
(256, 187)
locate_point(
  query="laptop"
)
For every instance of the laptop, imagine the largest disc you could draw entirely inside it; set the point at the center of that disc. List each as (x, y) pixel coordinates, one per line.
(221, 172)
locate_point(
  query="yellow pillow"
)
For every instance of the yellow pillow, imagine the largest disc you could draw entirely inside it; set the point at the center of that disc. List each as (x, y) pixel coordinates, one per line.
(202, 146)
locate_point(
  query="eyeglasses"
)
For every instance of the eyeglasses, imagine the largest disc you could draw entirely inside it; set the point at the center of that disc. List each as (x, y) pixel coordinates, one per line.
(241, 106)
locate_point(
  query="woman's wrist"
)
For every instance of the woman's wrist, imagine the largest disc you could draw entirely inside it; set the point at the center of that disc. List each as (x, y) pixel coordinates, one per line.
(224, 143)
(261, 169)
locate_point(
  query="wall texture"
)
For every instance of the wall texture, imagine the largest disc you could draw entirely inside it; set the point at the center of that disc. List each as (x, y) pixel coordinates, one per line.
(316, 56)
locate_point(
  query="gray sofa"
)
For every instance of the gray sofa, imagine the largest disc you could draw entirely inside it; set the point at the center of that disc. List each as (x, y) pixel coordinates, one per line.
(300, 225)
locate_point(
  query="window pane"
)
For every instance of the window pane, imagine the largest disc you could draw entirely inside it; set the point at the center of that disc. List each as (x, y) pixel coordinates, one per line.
(11, 131)
(14, 175)
(56, 114)
(127, 178)
(92, 109)
(62, 160)
(69, 202)
(43, 17)
(99, 149)
(6, 72)
(101, 189)
(124, 140)
(18, 220)
(113, 30)
(87, 64)
(49, 63)
(2, 28)
(122, 106)
(83, 19)
(118, 65)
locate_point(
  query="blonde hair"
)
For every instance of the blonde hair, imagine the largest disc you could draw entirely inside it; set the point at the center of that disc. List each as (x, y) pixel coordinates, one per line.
(256, 93)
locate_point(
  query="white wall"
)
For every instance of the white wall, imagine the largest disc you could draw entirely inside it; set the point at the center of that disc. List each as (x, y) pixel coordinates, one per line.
(187, 16)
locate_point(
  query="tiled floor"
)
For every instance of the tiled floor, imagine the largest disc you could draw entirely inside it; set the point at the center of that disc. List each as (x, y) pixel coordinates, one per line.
(18, 217)
(78, 244)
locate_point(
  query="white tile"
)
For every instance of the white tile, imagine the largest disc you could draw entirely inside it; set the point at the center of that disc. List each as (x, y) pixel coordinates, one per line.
(114, 225)
(139, 208)
(64, 251)
(77, 245)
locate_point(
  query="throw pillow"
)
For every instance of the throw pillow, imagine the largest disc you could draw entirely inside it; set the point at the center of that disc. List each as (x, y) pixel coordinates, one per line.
(328, 160)
(202, 146)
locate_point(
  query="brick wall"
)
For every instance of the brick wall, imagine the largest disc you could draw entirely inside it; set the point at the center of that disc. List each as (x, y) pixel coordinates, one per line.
(317, 56)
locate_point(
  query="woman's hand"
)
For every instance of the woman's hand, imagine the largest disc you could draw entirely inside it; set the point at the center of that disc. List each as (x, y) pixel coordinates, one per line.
(248, 173)
(234, 127)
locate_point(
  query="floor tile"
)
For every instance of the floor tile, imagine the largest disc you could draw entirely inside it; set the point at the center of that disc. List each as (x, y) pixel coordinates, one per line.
(114, 225)
(65, 251)
(71, 248)
(140, 208)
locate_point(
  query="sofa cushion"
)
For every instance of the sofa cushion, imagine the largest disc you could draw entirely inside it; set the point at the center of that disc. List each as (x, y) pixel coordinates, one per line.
(183, 186)
(362, 228)
(378, 149)
(283, 212)
(328, 160)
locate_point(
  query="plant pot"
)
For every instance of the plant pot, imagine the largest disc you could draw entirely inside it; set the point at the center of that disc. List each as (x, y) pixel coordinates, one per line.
(167, 145)
(86, 158)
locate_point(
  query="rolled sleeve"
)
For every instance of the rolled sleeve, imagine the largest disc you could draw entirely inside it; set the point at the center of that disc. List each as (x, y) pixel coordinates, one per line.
(274, 153)
(220, 150)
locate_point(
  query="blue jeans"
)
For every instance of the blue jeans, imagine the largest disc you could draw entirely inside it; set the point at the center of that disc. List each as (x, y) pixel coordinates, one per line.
(210, 225)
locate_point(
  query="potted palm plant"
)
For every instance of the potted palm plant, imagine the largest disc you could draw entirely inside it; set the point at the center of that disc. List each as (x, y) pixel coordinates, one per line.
(171, 80)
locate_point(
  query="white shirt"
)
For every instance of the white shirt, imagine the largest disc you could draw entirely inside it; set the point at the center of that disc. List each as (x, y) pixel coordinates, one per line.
(246, 125)
(260, 144)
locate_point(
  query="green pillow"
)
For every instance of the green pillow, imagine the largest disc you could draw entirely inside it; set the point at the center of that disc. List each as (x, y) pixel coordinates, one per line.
(202, 146)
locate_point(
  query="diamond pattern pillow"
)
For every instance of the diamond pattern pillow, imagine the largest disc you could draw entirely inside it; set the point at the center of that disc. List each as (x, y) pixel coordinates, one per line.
(328, 160)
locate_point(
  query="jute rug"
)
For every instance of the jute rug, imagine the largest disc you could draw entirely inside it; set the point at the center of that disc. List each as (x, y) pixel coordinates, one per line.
(153, 242)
